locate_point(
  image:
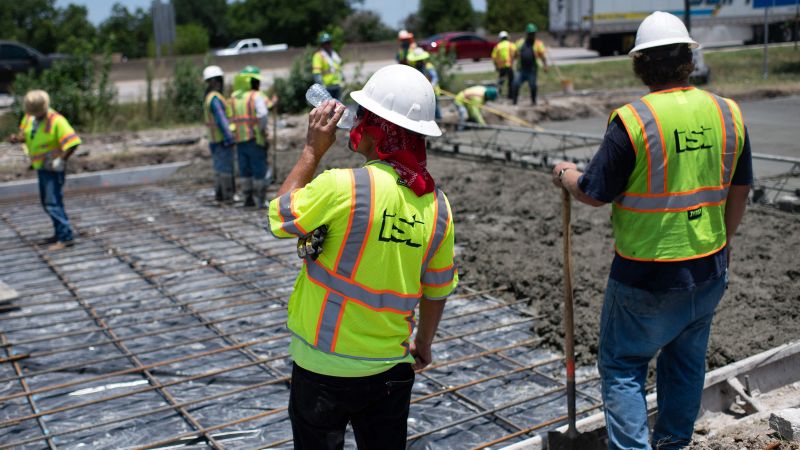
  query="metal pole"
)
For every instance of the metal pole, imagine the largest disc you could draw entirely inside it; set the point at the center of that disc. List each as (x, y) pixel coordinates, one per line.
(687, 15)
(796, 20)
(766, 40)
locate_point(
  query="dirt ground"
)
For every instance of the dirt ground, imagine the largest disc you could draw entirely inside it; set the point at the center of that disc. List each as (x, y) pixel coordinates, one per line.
(508, 233)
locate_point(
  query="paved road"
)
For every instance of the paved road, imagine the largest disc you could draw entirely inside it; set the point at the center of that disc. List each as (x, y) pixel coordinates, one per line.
(132, 91)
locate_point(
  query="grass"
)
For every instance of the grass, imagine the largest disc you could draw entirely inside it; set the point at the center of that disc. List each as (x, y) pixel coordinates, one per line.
(731, 71)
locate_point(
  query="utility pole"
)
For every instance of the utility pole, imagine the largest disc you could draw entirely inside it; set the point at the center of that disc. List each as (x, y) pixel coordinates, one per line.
(687, 15)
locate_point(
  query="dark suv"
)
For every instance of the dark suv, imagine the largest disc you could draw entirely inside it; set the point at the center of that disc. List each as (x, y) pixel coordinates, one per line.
(19, 58)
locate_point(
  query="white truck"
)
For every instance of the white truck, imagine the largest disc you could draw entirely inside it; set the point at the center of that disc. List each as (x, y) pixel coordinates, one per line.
(611, 24)
(251, 45)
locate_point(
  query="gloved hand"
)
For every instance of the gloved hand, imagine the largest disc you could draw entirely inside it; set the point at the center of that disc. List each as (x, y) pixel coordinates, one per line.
(310, 245)
(57, 165)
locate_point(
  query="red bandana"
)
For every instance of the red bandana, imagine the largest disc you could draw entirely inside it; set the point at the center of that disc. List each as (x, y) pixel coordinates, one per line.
(404, 150)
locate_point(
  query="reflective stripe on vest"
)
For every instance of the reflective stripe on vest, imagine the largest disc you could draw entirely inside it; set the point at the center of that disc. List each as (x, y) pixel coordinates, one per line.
(245, 119)
(657, 164)
(340, 284)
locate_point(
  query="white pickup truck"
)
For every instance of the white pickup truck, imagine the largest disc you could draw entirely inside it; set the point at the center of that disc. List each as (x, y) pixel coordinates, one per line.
(251, 45)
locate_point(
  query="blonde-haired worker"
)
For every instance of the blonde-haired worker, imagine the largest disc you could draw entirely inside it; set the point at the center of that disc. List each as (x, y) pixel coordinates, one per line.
(49, 141)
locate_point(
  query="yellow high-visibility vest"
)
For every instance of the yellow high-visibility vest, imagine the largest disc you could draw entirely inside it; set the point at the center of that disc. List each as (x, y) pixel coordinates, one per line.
(384, 250)
(52, 137)
(503, 54)
(244, 120)
(329, 66)
(688, 143)
(215, 135)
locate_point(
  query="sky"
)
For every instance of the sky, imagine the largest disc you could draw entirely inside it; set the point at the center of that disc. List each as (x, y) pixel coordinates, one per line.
(391, 11)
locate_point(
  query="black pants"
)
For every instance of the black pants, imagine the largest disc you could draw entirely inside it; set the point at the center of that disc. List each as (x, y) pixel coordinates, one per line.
(506, 74)
(320, 406)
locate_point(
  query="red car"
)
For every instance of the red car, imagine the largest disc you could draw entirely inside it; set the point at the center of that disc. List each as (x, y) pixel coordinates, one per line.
(466, 45)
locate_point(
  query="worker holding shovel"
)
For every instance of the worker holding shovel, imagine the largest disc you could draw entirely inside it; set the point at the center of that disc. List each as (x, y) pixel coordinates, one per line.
(676, 166)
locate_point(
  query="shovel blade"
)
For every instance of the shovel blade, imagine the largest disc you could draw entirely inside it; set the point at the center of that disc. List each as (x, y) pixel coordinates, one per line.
(592, 440)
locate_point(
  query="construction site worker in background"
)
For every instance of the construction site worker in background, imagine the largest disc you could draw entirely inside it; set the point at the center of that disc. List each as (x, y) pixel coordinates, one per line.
(470, 100)
(388, 248)
(220, 140)
(326, 66)
(531, 54)
(420, 60)
(250, 114)
(503, 55)
(676, 166)
(407, 46)
(49, 141)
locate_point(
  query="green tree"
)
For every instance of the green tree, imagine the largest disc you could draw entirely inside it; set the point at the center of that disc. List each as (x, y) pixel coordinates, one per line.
(33, 22)
(185, 92)
(513, 15)
(295, 22)
(291, 91)
(190, 39)
(436, 16)
(128, 32)
(73, 26)
(210, 14)
(365, 26)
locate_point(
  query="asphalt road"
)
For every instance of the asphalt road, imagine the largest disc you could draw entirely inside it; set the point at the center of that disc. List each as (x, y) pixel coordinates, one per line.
(135, 90)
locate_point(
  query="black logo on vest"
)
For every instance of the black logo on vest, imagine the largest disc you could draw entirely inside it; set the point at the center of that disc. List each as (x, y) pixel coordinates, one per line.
(695, 213)
(691, 140)
(399, 230)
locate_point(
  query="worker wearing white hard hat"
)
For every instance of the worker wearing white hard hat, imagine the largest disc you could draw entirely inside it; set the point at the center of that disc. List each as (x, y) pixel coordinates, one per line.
(377, 242)
(676, 166)
(407, 45)
(503, 55)
(217, 115)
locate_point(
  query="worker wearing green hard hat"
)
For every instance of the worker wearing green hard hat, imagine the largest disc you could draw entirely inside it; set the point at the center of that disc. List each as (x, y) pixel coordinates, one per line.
(326, 66)
(531, 54)
(470, 101)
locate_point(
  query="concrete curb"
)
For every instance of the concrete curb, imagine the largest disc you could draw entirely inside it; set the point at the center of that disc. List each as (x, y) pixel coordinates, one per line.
(96, 180)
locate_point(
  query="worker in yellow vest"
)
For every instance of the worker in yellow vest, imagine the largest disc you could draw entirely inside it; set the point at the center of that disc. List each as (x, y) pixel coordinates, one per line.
(469, 102)
(217, 113)
(407, 46)
(250, 114)
(420, 60)
(326, 66)
(376, 242)
(531, 54)
(49, 141)
(676, 167)
(503, 55)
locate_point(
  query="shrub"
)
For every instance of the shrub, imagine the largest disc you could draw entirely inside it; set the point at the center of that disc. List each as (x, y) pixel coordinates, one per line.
(184, 92)
(444, 63)
(78, 86)
(291, 91)
(190, 39)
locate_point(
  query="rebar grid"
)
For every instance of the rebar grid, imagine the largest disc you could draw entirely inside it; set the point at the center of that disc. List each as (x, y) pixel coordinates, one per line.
(191, 299)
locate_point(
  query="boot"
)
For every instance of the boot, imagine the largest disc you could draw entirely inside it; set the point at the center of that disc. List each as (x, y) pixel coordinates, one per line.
(225, 187)
(270, 176)
(260, 192)
(217, 186)
(247, 191)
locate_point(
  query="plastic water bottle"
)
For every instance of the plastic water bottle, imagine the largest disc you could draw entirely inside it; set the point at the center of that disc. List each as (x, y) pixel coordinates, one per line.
(317, 95)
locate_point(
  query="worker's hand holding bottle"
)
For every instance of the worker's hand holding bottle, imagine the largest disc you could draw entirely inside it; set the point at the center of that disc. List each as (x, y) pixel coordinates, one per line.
(322, 127)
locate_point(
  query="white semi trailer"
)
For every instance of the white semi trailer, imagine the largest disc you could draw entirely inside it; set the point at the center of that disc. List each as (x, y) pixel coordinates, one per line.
(611, 24)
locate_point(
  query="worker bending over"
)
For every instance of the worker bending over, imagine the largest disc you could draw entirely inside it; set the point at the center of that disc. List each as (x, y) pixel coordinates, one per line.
(420, 60)
(326, 66)
(388, 247)
(250, 113)
(503, 55)
(470, 100)
(531, 54)
(220, 140)
(49, 141)
(676, 166)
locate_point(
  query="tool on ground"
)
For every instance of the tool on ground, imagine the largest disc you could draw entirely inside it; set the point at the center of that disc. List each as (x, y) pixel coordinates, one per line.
(571, 439)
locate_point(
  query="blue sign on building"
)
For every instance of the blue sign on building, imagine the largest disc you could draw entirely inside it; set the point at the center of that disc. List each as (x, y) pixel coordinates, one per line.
(766, 3)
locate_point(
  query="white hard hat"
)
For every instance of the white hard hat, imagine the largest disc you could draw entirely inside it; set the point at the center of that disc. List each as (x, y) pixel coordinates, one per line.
(503, 35)
(402, 95)
(660, 29)
(212, 72)
(404, 34)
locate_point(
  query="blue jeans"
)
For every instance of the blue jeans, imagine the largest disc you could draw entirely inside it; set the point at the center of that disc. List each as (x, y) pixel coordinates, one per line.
(51, 194)
(520, 78)
(252, 160)
(221, 157)
(636, 324)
